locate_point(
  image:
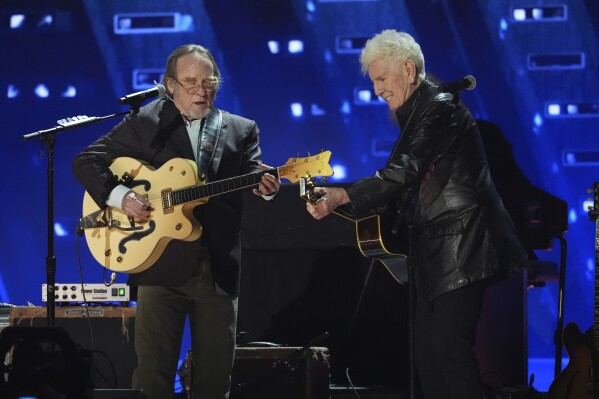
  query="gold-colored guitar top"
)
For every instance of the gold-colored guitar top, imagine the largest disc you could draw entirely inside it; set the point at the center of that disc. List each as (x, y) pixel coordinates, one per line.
(173, 190)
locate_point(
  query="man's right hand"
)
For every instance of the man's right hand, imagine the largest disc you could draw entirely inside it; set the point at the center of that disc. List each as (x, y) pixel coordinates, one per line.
(136, 206)
(329, 199)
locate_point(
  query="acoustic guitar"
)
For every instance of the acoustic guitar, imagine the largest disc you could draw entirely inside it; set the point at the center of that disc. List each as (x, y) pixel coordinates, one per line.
(383, 237)
(127, 245)
(578, 380)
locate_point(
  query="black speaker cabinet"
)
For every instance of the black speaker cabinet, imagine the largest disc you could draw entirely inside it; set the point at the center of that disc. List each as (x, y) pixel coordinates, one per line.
(106, 331)
(280, 373)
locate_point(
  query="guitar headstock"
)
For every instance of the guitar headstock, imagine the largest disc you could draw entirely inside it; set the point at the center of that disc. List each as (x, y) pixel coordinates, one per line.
(316, 165)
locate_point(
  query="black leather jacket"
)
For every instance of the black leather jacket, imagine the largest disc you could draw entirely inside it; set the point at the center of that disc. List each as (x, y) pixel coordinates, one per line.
(438, 174)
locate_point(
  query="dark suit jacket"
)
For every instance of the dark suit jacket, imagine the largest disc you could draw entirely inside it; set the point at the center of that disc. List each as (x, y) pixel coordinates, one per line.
(155, 135)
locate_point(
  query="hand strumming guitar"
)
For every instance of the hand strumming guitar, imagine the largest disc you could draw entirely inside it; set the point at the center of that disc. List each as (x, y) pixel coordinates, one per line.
(135, 205)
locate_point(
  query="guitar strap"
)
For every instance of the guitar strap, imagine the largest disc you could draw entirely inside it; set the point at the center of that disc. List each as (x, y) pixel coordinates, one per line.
(208, 140)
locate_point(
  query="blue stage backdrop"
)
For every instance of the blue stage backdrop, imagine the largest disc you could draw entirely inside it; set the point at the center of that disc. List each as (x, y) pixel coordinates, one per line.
(292, 65)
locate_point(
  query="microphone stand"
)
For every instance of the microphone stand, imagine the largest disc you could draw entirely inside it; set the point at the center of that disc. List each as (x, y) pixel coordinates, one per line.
(412, 316)
(48, 138)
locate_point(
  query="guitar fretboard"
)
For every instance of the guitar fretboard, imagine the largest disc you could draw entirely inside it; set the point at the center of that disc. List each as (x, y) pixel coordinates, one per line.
(189, 194)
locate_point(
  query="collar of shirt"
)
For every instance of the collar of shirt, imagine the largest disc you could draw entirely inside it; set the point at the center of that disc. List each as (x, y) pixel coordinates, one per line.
(194, 130)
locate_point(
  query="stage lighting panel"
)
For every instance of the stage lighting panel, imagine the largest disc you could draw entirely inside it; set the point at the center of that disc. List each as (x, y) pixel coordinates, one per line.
(273, 46)
(149, 23)
(571, 109)
(556, 61)
(345, 44)
(348, 1)
(32, 20)
(297, 110)
(339, 172)
(316, 110)
(54, 88)
(41, 90)
(146, 78)
(70, 92)
(295, 46)
(540, 13)
(12, 91)
(580, 158)
(366, 96)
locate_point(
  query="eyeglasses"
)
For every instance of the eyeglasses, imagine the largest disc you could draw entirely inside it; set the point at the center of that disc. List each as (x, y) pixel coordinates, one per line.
(208, 85)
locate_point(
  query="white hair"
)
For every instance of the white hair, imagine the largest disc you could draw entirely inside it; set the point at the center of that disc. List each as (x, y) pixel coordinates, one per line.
(393, 48)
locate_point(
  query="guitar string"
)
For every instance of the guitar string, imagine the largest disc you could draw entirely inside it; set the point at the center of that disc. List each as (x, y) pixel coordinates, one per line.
(158, 198)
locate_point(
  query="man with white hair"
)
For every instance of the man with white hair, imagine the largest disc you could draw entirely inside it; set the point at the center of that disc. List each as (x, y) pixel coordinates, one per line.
(438, 179)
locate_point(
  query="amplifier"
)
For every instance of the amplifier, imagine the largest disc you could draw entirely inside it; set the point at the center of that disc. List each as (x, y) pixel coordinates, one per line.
(108, 331)
(281, 372)
(67, 292)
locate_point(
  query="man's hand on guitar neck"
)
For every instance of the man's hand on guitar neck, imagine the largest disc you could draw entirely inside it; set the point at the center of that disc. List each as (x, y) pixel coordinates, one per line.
(329, 199)
(269, 185)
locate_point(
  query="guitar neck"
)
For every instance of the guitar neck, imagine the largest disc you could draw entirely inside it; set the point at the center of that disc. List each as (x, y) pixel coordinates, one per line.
(208, 190)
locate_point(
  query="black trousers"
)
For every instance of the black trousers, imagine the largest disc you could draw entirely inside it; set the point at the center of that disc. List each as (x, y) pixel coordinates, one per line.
(445, 333)
(159, 325)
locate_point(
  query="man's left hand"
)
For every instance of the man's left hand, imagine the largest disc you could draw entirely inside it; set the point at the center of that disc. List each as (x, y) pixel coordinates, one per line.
(269, 184)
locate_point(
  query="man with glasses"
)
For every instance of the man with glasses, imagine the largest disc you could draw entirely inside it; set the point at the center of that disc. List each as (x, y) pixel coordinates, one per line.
(196, 279)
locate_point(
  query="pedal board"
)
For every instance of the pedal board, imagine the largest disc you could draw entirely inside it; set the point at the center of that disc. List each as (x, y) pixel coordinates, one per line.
(93, 292)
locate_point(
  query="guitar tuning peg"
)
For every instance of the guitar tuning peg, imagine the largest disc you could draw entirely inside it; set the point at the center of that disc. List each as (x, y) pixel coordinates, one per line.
(309, 155)
(297, 156)
(321, 150)
(324, 179)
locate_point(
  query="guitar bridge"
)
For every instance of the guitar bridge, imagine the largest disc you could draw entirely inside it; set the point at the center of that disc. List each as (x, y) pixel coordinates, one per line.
(167, 200)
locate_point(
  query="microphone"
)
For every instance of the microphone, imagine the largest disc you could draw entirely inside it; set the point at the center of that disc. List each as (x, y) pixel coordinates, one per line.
(136, 99)
(468, 83)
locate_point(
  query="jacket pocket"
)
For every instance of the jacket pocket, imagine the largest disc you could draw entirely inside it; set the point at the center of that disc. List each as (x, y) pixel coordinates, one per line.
(443, 228)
